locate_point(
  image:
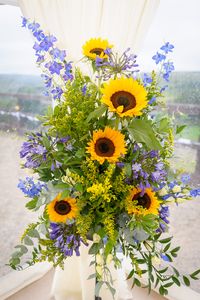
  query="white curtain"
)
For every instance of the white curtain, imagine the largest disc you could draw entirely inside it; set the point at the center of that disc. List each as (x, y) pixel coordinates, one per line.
(124, 23)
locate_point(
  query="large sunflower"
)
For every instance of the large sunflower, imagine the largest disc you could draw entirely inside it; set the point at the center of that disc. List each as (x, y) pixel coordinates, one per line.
(96, 47)
(142, 205)
(124, 96)
(106, 145)
(59, 210)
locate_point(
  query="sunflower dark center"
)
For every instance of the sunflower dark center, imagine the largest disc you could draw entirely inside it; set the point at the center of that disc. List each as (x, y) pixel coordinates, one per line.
(104, 147)
(62, 207)
(143, 201)
(123, 98)
(96, 51)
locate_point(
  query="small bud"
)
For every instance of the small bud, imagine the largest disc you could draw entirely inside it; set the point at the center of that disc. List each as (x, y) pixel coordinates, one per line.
(96, 238)
(176, 189)
(99, 259)
(109, 259)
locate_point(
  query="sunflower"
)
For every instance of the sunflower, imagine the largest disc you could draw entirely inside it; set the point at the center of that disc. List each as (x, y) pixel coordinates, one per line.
(59, 210)
(142, 205)
(96, 47)
(125, 96)
(106, 145)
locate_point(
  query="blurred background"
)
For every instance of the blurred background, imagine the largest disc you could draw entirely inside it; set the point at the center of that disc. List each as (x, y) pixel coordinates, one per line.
(22, 99)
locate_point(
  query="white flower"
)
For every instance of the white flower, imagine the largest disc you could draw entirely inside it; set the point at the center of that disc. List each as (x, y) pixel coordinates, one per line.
(156, 260)
(99, 270)
(176, 189)
(171, 199)
(163, 192)
(109, 259)
(96, 238)
(99, 259)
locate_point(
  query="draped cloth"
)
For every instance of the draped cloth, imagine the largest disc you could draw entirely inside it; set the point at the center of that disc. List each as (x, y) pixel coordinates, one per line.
(124, 23)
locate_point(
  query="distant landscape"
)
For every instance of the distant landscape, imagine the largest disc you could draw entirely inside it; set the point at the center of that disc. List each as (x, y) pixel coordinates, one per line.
(18, 112)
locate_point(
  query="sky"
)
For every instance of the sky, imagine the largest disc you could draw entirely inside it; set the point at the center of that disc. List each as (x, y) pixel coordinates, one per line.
(176, 21)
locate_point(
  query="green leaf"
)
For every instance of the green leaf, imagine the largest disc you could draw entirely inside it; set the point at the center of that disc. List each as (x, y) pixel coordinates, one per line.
(176, 272)
(186, 281)
(91, 276)
(164, 125)
(194, 274)
(22, 248)
(167, 247)
(98, 287)
(176, 249)
(164, 241)
(28, 241)
(94, 249)
(137, 282)
(167, 285)
(96, 113)
(61, 185)
(65, 194)
(176, 281)
(130, 274)
(15, 261)
(163, 270)
(31, 204)
(79, 187)
(33, 233)
(17, 254)
(142, 132)
(180, 128)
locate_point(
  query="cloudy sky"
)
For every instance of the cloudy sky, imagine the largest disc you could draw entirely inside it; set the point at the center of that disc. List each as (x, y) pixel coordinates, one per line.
(177, 21)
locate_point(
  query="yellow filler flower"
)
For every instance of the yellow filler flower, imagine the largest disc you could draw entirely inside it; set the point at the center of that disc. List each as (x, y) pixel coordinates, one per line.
(95, 47)
(142, 205)
(106, 145)
(59, 210)
(125, 96)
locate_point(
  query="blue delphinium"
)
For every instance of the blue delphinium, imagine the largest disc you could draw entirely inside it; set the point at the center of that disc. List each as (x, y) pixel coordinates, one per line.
(65, 239)
(166, 66)
(51, 60)
(167, 47)
(31, 188)
(158, 57)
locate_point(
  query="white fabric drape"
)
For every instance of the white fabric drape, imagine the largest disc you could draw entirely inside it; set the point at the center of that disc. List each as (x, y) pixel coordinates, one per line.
(124, 23)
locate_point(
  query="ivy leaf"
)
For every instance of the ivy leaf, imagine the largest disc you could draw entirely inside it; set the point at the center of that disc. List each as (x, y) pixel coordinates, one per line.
(33, 233)
(22, 248)
(28, 241)
(142, 132)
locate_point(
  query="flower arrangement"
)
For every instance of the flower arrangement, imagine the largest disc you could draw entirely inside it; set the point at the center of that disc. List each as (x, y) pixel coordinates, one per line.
(103, 165)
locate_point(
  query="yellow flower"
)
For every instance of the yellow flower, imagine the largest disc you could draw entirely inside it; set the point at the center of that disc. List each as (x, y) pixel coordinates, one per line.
(59, 210)
(125, 96)
(95, 47)
(106, 145)
(142, 205)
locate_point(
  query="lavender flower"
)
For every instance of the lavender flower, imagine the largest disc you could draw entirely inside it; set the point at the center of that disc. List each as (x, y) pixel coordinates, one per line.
(164, 214)
(33, 151)
(65, 239)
